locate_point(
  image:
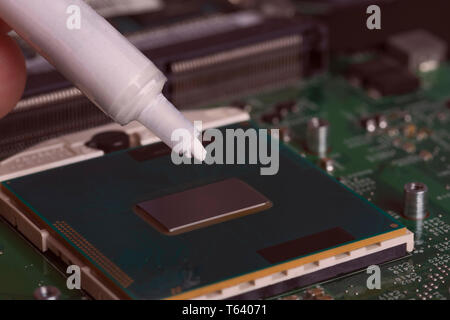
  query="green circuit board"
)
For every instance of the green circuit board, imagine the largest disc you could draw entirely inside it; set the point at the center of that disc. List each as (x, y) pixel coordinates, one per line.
(415, 146)
(23, 269)
(148, 263)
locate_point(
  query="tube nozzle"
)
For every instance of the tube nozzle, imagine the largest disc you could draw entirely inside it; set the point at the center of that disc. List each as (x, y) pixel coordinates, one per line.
(161, 108)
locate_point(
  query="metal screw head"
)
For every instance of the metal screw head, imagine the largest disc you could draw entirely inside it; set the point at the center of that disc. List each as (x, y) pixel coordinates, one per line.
(416, 187)
(47, 293)
(415, 200)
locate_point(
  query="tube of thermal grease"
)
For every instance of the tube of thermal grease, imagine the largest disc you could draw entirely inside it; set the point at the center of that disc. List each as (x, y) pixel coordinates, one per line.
(101, 62)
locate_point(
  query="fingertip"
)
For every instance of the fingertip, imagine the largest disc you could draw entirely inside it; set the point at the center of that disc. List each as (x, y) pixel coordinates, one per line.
(12, 74)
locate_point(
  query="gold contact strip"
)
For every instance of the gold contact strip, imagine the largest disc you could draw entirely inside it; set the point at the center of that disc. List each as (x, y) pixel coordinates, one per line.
(94, 253)
(288, 265)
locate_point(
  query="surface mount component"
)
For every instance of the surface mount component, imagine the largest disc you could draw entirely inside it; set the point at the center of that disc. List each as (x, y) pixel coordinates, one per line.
(359, 74)
(395, 82)
(382, 76)
(419, 50)
(317, 133)
(316, 228)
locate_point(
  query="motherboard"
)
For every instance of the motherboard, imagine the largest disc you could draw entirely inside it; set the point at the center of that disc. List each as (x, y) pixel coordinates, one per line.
(377, 164)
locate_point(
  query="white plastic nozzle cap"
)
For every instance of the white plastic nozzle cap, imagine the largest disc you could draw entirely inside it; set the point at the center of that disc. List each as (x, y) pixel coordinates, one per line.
(161, 108)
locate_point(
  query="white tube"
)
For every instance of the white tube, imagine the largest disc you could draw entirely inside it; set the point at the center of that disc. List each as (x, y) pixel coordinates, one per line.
(101, 62)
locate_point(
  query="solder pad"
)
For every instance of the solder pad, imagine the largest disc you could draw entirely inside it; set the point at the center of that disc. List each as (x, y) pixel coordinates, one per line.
(91, 205)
